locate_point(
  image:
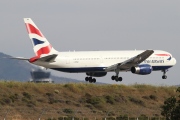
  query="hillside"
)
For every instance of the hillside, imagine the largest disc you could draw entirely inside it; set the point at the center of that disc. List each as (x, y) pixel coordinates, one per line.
(18, 70)
(88, 100)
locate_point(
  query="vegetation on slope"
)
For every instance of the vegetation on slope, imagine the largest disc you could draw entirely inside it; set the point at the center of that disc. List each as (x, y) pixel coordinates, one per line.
(83, 99)
(171, 107)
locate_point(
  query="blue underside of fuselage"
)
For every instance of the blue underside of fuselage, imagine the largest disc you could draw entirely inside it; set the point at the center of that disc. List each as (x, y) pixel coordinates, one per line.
(100, 69)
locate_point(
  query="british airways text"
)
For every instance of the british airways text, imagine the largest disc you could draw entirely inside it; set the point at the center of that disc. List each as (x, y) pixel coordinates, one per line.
(154, 61)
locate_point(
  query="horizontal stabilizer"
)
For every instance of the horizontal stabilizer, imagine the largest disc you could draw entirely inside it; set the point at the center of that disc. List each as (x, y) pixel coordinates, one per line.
(49, 58)
(18, 58)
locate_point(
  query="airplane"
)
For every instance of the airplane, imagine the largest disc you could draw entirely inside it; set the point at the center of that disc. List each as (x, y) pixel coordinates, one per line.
(96, 63)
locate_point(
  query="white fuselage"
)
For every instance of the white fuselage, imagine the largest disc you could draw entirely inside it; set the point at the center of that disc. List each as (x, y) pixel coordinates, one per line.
(97, 61)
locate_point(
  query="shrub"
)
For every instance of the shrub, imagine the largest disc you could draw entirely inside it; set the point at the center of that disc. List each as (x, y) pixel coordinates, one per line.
(68, 102)
(111, 113)
(52, 100)
(120, 98)
(109, 118)
(153, 97)
(68, 111)
(143, 117)
(4, 101)
(56, 91)
(51, 119)
(125, 117)
(171, 107)
(60, 118)
(41, 100)
(30, 105)
(49, 94)
(13, 97)
(136, 101)
(155, 118)
(89, 106)
(26, 95)
(69, 118)
(132, 118)
(146, 97)
(95, 100)
(100, 106)
(87, 95)
(109, 99)
(72, 87)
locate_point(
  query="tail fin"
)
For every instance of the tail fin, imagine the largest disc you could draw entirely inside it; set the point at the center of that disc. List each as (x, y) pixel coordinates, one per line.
(41, 45)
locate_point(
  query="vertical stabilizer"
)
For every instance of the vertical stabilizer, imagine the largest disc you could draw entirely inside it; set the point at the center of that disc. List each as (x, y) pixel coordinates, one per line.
(41, 45)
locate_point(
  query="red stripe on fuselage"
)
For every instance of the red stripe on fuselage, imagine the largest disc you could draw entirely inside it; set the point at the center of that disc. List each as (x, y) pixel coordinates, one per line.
(162, 54)
(32, 29)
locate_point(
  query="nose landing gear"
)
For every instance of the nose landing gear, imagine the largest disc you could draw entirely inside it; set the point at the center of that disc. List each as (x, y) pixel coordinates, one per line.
(164, 74)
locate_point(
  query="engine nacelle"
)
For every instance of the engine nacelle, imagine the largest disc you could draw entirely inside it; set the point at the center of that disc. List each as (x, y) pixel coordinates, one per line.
(96, 74)
(143, 69)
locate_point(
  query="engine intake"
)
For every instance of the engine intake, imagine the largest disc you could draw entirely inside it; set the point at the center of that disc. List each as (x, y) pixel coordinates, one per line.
(143, 69)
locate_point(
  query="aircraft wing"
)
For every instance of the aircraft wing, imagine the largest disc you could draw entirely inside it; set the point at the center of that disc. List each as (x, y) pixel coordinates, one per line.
(134, 61)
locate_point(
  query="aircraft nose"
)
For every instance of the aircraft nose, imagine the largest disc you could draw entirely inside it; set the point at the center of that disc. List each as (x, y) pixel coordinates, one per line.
(174, 60)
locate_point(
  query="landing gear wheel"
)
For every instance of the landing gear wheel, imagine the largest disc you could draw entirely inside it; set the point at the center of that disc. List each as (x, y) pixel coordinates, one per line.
(93, 80)
(120, 79)
(90, 79)
(164, 77)
(116, 78)
(113, 77)
(164, 74)
(87, 79)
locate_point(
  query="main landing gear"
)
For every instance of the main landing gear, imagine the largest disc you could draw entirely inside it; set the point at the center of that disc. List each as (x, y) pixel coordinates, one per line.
(116, 78)
(164, 74)
(90, 79)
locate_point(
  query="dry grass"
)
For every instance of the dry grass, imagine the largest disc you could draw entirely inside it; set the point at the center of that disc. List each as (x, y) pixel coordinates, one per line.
(133, 100)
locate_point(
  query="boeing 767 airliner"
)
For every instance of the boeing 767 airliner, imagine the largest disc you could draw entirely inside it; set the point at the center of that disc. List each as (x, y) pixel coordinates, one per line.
(96, 63)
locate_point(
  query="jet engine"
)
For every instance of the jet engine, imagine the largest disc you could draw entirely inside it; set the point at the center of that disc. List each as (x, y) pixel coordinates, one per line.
(143, 69)
(96, 74)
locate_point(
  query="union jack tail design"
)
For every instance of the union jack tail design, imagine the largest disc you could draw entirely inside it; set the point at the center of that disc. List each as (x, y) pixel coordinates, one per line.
(41, 45)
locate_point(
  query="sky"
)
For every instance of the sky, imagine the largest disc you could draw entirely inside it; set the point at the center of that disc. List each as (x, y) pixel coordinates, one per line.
(88, 25)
